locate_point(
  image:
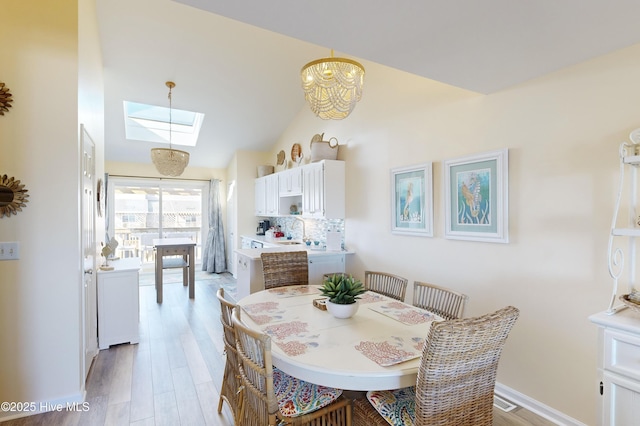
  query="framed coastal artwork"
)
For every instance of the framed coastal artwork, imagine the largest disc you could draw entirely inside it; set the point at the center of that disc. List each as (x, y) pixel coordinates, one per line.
(476, 197)
(412, 200)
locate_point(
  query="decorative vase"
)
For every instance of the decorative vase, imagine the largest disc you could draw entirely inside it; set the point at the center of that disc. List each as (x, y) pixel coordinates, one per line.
(342, 311)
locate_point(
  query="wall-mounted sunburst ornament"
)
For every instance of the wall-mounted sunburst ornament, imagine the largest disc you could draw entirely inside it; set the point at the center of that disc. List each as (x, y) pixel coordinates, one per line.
(5, 99)
(13, 196)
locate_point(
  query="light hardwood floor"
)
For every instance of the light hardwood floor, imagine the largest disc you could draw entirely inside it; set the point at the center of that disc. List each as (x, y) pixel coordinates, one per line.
(172, 377)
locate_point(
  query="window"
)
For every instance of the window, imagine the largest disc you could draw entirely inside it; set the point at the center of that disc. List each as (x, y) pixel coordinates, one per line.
(141, 210)
(150, 123)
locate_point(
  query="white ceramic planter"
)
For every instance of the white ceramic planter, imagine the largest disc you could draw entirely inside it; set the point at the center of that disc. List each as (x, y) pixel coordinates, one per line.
(342, 311)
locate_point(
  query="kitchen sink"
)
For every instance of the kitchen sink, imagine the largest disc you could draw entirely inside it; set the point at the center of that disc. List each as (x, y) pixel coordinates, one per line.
(288, 243)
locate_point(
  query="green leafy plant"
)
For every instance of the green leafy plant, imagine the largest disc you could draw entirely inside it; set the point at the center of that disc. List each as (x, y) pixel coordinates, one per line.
(342, 289)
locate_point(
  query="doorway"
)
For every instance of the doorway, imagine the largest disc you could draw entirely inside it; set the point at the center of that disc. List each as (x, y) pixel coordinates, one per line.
(141, 210)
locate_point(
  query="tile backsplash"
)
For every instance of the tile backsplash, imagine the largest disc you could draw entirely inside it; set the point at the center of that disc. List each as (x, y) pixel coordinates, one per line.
(315, 229)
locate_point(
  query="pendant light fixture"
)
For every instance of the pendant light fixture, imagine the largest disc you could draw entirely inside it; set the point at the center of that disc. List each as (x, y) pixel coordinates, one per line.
(169, 161)
(332, 86)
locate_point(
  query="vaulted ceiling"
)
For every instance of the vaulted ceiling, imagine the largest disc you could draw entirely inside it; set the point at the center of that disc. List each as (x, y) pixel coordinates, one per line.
(238, 62)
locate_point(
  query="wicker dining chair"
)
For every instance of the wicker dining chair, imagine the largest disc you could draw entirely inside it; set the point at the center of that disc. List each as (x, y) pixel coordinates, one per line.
(285, 268)
(231, 375)
(304, 403)
(456, 377)
(388, 284)
(444, 302)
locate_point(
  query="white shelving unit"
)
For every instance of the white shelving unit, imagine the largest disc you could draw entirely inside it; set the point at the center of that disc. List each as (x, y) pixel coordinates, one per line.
(618, 368)
(623, 261)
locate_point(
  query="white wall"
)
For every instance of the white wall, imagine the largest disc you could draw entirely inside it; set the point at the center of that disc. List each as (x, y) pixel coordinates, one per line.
(562, 132)
(40, 292)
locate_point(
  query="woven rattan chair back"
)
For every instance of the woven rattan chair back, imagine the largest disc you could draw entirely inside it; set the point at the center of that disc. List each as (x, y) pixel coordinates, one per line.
(458, 369)
(258, 403)
(388, 284)
(457, 373)
(230, 377)
(285, 268)
(444, 302)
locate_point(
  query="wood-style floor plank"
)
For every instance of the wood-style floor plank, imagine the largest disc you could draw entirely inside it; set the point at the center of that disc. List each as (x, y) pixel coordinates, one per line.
(173, 375)
(141, 386)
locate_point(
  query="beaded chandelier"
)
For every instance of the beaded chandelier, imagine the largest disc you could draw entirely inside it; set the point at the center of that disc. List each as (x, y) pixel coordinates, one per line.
(332, 86)
(169, 161)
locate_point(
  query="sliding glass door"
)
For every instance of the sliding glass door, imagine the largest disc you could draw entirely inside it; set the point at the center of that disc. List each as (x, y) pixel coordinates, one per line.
(141, 210)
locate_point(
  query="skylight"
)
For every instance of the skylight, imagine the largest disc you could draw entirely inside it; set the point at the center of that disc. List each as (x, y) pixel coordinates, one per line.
(150, 123)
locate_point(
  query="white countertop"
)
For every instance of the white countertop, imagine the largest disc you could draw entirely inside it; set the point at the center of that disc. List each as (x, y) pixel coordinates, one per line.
(254, 253)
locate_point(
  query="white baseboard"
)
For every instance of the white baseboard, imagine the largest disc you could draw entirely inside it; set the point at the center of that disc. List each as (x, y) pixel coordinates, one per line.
(536, 407)
(72, 402)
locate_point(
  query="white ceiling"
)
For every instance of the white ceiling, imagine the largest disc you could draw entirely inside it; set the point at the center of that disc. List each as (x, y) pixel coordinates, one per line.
(238, 62)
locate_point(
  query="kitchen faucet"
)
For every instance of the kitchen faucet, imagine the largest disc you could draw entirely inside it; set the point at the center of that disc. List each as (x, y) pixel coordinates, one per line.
(303, 228)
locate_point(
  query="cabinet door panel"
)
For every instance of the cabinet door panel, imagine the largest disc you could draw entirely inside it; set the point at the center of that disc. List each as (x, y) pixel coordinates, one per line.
(622, 401)
(320, 265)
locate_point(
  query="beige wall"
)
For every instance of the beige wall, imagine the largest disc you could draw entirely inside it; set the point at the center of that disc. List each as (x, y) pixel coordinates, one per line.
(40, 309)
(562, 132)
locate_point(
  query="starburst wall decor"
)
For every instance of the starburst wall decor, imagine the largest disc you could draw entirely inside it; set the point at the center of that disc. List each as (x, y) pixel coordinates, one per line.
(5, 99)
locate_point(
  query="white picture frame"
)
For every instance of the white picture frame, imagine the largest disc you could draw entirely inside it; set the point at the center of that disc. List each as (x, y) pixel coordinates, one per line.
(412, 200)
(476, 189)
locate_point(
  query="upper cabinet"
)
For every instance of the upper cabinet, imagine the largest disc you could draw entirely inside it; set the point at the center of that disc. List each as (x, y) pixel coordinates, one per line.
(260, 196)
(323, 192)
(316, 190)
(267, 199)
(290, 182)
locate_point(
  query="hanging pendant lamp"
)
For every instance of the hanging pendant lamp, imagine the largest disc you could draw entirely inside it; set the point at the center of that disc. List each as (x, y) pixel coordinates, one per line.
(332, 86)
(169, 161)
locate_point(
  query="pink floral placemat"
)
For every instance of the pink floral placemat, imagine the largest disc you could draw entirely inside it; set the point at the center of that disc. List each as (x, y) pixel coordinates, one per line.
(264, 312)
(293, 291)
(370, 297)
(394, 350)
(293, 337)
(404, 313)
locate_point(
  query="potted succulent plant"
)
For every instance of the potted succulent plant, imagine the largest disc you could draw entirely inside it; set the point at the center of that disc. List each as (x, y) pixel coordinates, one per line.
(342, 291)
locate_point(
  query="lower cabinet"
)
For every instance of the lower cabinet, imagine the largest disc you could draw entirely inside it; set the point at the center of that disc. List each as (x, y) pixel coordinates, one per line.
(619, 367)
(118, 303)
(325, 264)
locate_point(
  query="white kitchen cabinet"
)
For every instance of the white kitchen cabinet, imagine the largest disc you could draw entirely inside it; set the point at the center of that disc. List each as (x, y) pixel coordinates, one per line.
(619, 367)
(272, 195)
(267, 197)
(118, 303)
(317, 188)
(290, 182)
(250, 279)
(325, 264)
(260, 194)
(323, 190)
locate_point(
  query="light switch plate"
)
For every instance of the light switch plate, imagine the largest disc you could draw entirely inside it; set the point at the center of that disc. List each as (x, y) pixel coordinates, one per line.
(9, 250)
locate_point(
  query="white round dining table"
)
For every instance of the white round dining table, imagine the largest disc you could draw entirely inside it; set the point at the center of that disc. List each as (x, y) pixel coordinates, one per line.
(379, 348)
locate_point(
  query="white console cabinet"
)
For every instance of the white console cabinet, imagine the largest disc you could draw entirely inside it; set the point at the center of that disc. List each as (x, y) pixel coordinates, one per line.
(118, 303)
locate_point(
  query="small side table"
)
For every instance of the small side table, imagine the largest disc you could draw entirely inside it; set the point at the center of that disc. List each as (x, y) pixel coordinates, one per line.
(171, 247)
